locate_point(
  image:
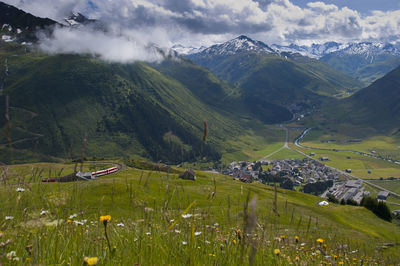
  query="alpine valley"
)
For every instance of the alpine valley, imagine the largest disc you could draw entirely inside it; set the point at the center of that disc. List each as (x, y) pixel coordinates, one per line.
(240, 153)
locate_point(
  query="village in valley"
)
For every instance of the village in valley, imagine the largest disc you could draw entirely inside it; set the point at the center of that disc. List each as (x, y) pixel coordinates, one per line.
(306, 175)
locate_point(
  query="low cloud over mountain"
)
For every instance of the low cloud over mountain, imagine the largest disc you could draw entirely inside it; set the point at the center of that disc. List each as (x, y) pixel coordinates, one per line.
(201, 22)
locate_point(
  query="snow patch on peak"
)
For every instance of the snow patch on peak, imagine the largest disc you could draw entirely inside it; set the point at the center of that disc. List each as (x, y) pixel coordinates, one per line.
(180, 49)
(238, 45)
(320, 50)
(76, 19)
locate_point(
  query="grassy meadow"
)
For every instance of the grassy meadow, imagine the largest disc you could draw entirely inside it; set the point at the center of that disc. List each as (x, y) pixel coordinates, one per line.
(159, 219)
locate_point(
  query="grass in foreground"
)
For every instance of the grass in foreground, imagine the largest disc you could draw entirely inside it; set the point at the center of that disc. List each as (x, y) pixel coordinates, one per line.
(159, 219)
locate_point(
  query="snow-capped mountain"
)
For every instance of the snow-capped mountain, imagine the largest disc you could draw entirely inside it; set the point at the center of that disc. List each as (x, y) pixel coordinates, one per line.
(180, 49)
(321, 50)
(77, 19)
(369, 48)
(313, 51)
(238, 45)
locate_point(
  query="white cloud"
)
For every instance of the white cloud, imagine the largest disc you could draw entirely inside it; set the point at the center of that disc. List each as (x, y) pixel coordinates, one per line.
(322, 7)
(110, 47)
(201, 22)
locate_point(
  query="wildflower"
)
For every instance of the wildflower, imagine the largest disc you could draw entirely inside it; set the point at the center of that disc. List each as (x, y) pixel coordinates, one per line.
(277, 251)
(197, 233)
(120, 225)
(11, 255)
(297, 258)
(43, 212)
(184, 243)
(9, 218)
(20, 189)
(105, 219)
(335, 257)
(234, 241)
(211, 255)
(341, 263)
(177, 231)
(320, 241)
(69, 221)
(90, 261)
(296, 238)
(325, 246)
(283, 237)
(198, 247)
(185, 216)
(238, 234)
(148, 233)
(78, 223)
(73, 216)
(28, 249)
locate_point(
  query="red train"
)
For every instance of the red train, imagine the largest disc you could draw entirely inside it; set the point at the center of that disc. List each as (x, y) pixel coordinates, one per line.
(104, 172)
(82, 176)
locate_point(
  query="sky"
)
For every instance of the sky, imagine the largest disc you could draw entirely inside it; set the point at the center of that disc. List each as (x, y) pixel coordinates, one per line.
(205, 22)
(362, 6)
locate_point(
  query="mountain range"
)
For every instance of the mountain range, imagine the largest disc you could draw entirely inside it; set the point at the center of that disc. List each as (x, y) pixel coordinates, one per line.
(267, 76)
(364, 61)
(160, 110)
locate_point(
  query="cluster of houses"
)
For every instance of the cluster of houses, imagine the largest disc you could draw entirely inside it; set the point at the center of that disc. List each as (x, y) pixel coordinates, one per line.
(299, 171)
(245, 171)
(348, 190)
(303, 171)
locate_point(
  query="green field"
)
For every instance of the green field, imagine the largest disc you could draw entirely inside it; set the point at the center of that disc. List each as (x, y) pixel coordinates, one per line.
(147, 226)
(359, 164)
(392, 185)
(384, 146)
(286, 154)
(253, 146)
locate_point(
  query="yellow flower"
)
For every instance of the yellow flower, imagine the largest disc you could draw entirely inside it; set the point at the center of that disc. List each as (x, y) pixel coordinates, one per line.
(234, 241)
(296, 238)
(325, 246)
(91, 261)
(297, 258)
(283, 237)
(238, 234)
(105, 218)
(211, 255)
(341, 263)
(320, 241)
(335, 257)
(277, 251)
(69, 221)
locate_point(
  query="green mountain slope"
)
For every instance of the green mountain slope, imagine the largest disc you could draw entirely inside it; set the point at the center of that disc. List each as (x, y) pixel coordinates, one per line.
(361, 68)
(283, 80)
(228, 100)
(125, 109)
(377, 106)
